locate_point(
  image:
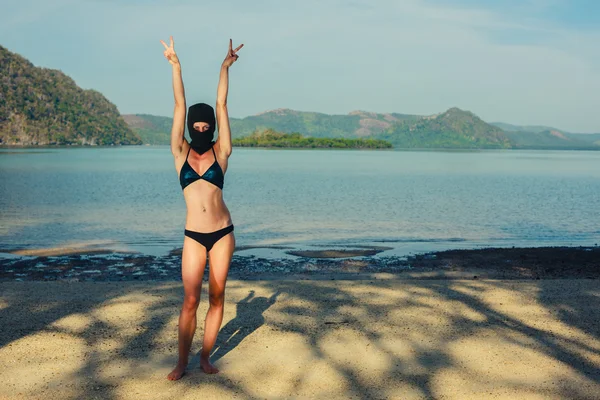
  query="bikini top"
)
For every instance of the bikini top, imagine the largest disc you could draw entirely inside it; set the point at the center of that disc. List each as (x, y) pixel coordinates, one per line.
(214, 174)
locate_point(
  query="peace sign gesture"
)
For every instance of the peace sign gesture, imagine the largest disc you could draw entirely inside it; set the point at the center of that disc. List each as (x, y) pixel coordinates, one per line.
(170, 52)
(231, 54)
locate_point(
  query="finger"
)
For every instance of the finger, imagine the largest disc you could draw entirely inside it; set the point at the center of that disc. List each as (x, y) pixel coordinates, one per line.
(171, 39)
(239, 47)
(164, 44)
(230, 45)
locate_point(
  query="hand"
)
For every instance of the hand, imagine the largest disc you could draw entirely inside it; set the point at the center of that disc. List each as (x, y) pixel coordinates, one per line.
(170, 52)
(231, 55)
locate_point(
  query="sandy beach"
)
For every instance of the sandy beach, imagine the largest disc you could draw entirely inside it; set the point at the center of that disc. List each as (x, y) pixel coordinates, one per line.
(380, 338)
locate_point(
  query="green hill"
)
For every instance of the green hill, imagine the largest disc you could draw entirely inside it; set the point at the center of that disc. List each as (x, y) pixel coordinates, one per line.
(549, 139)
(519, 128)
(545, 137)
(156, 130)
(41, 106)
(151, 129)
(453, 128)
(589, 138)
(355, 124)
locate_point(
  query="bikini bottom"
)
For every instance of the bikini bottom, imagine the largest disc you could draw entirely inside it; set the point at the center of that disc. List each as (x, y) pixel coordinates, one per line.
(208, 240)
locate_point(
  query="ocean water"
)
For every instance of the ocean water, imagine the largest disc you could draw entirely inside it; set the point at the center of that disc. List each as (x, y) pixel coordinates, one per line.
(129, 198)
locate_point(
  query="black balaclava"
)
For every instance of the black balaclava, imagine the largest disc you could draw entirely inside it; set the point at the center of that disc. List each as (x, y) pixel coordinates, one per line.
(201, 141)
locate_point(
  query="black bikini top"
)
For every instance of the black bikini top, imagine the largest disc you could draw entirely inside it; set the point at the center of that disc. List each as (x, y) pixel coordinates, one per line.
(214, 174)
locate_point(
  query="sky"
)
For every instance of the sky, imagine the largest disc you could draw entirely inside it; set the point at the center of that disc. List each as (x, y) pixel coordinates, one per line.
(525, 62)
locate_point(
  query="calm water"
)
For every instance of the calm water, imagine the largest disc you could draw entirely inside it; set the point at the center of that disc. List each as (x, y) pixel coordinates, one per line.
(130, 198)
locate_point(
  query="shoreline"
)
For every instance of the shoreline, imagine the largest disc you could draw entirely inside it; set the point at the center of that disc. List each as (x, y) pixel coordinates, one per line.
(72, 264)
(416, 149)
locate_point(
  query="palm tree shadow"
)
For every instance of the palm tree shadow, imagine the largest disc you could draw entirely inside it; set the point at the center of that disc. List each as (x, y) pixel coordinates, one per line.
(249, 317)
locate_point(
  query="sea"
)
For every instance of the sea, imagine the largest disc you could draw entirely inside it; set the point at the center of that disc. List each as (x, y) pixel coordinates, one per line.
(129, 199)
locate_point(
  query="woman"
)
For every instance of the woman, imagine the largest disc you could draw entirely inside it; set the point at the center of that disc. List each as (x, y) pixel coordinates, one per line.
(201, 165)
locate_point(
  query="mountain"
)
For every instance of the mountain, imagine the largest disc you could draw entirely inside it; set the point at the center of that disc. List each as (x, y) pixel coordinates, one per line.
(151, 129)
(590, 138)
(355, 124)
(545, 137)
(41, 106)
(520, 128)
(156, 130)
(551, 139)
(454, 128)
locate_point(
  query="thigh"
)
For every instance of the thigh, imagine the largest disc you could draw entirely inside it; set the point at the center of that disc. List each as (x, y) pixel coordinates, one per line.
(220, 258)
(193, 263)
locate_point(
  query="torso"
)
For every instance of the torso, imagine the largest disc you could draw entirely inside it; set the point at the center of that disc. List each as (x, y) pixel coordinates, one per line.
(206, 210)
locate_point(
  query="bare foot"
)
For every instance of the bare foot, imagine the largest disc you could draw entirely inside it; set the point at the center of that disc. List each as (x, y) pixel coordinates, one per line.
(207, 367)
(177, 373)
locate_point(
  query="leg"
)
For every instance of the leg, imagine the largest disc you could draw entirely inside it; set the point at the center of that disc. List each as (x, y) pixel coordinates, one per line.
(220, 258)
(193, 262)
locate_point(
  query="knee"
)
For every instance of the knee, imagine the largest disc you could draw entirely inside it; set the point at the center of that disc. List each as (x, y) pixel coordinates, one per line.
(190, 303)
(216, 299)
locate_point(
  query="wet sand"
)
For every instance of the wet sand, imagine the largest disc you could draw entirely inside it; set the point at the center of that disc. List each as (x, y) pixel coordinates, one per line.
(358, 263)
(386, 338)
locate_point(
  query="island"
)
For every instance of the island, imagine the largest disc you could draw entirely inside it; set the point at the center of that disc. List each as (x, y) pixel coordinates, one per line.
(272, 138)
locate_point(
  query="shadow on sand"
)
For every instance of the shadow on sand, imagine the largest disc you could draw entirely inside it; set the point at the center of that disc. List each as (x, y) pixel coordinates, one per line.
(376, 338)
(248, 318)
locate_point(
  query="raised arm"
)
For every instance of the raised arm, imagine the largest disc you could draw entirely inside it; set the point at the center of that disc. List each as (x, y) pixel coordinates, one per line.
(224, 139)
(178, 128)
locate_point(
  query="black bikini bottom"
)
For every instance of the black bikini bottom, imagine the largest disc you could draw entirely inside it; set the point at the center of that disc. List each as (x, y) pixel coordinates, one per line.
(208, 240)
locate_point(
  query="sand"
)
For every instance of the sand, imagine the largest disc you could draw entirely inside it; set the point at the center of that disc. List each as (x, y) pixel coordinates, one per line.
(324, 339)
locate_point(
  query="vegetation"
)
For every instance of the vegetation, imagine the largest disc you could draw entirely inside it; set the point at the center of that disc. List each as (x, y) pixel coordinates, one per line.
(518, 128)
(289, 121)
(551, 139)
(454, 128)
(356, 124)
(589, 138)
(151, 129)
(40, 106)
(271, 138)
